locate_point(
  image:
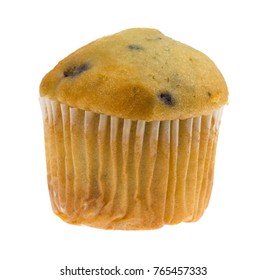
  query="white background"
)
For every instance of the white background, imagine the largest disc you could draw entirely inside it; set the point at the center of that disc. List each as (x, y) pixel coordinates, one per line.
(230, 238)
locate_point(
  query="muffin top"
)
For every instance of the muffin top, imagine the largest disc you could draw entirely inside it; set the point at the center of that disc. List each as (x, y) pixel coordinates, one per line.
(138, 74)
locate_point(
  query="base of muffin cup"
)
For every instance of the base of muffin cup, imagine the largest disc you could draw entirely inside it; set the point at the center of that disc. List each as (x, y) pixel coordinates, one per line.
(114, 173)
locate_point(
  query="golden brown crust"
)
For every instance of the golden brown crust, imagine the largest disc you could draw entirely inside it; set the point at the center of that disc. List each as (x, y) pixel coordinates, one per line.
(138, 74)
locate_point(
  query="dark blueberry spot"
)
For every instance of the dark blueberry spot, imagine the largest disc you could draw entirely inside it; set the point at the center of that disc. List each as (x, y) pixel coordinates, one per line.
(76, 70)
(167, 98)
(135, 47)
(209, 94)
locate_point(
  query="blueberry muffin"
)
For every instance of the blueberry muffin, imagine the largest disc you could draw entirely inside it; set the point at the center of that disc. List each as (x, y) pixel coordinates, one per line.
(131, 124)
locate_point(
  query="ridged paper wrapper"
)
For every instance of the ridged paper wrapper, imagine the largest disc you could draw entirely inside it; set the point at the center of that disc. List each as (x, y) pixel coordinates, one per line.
(115, 173)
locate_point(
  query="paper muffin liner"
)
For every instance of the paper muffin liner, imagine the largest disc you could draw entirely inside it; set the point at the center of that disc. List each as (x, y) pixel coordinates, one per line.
(115, 173)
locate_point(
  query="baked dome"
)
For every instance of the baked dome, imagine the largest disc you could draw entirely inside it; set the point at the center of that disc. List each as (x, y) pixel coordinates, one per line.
(138, 74)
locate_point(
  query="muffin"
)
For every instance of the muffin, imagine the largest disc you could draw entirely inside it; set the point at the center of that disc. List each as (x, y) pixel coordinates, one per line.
(131, 124)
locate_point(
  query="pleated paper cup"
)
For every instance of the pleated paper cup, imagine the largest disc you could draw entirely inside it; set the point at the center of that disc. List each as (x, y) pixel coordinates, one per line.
(115, 173)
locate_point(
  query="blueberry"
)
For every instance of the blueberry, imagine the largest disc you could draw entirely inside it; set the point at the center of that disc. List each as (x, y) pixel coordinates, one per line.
(134, 47)
(167, 98)
(76, 70)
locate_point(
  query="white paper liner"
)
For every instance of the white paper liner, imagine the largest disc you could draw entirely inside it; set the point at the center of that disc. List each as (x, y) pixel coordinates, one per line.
(110, 172)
